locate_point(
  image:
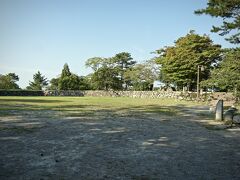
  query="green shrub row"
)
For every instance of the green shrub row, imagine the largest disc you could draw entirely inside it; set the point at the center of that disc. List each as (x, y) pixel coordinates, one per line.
(21, 93)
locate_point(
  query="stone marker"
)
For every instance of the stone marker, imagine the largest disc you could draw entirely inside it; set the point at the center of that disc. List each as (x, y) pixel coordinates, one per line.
(219, 110)
(236, 119)
(228, 115)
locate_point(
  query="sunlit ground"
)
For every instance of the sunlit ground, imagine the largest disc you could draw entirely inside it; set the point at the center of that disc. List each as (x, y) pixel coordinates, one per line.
(112, 138)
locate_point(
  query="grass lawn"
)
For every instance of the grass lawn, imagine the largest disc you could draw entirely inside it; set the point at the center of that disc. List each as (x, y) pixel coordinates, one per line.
(82, 106)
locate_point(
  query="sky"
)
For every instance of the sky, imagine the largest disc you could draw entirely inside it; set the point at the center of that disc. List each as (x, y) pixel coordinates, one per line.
(43, 35)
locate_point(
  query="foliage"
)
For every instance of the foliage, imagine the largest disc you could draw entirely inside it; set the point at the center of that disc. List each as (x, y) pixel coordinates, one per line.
(95, 62)
(179, 63)
(227, 75)
(106, 78)
(229, 10)
(141, 76)
(65, 71)
(123, 62)
(8, 81)
(53, 84)
(71, 82)
(39, 82)
(84, 83)
(109, 72)
(13, 77)
(20, 92)
(68, 81)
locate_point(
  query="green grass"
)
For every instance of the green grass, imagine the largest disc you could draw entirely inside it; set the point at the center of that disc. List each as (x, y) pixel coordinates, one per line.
(88, 106)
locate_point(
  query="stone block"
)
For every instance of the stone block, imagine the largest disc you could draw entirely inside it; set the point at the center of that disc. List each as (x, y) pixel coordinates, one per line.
(219, 110)
(228, 115)
(236, 119)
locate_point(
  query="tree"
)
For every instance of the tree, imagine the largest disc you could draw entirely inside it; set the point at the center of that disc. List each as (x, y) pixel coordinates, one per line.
(63, 82)
(53, 84)
(227, 75)
(39, 82)
(141, 76)
(65, 71)
(109, 72)
(8, 81)
(179, 63)
(13, 77)
(85, 83)
(71, 82)
(123, 62)
(95, 62)
(229, 10)
(106, 78)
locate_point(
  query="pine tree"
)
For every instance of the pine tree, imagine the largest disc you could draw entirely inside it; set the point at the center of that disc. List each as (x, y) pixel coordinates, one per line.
(38, 83)
(229, 10)
(65, 71)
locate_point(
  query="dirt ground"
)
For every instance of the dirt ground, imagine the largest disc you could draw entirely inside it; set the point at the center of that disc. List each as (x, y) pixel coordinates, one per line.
(38, 146)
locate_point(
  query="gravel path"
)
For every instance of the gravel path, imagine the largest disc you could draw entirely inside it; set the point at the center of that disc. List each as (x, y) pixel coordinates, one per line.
(105, 147)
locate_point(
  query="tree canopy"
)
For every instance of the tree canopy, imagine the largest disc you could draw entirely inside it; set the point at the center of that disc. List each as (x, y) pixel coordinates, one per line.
(105, 75)
(227, 75)
(106, 78)
(95, 62)
(123, 62)
(109, 72)
(142, 76)
(65, 71)
(179, 63)
(71, 82)
(68, 81)
(9, 81)
(229, 10)
(38, 83)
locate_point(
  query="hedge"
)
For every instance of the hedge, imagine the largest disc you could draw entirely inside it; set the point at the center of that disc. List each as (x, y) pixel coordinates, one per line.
(21, 93)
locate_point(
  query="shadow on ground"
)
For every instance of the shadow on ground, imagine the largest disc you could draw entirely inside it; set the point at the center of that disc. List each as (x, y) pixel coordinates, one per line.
(157, 143)
(32, 100)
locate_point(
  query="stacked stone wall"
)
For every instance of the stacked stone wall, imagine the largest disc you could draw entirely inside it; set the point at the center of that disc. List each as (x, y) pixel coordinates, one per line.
(211, 98)
(228, 98)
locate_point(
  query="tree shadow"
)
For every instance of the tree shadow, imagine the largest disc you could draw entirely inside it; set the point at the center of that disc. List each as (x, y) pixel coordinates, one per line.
(32, 100)
(106, 145)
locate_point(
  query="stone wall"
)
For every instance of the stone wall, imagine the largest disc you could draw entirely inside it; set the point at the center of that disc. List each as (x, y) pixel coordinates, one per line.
(64, 93)
(133, 94)
(228, 98)
(211, 98)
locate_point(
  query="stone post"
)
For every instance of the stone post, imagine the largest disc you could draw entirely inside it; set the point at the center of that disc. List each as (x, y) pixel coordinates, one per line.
(219, 110)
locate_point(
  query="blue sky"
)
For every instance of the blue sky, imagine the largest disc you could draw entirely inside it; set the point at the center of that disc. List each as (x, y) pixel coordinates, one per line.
(44, 34)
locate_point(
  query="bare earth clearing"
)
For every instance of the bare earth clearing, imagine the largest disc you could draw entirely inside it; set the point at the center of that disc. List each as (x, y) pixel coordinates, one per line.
(46, 144)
